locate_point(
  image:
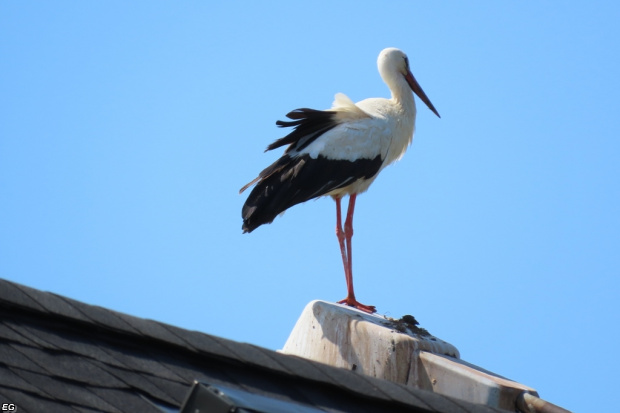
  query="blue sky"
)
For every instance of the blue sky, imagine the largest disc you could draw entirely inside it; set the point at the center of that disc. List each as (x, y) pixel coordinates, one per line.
(127, 130)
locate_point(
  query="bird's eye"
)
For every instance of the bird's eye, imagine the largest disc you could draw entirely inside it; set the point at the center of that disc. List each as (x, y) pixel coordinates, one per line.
(406, 61)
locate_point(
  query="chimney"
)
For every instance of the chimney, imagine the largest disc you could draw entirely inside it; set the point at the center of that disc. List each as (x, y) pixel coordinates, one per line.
(400, 351)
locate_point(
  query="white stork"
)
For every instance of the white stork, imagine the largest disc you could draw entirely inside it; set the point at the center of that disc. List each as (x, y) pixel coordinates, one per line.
(338, 152)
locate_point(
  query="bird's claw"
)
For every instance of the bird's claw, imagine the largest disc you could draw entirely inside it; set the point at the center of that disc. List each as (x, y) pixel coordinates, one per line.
(352, 302)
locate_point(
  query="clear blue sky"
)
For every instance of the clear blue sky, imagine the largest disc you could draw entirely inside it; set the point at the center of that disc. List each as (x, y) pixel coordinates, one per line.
(127, 129)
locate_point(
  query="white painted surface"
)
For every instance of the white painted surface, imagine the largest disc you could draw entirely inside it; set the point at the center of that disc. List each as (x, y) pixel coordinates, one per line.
(342, 336)
(462, 380)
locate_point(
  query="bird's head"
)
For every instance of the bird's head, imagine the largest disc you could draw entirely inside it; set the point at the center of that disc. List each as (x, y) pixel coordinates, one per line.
(393, 63)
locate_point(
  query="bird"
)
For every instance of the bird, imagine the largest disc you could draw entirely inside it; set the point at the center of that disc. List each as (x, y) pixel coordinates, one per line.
(339, 152)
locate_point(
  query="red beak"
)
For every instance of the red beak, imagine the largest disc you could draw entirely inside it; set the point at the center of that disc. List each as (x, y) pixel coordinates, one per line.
(417, 89)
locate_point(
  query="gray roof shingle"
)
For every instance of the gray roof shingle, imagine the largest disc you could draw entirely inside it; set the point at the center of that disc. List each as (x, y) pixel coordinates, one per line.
(58, 354)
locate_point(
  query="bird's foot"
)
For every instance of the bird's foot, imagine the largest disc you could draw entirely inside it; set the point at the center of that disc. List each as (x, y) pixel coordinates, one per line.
(352, 302)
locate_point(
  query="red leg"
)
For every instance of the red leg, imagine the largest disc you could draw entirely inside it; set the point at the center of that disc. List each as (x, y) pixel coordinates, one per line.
(341, 236)
(348, 235)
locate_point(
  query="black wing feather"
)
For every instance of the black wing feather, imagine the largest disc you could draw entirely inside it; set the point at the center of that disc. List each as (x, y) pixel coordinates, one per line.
(292, 180)
(308, 125)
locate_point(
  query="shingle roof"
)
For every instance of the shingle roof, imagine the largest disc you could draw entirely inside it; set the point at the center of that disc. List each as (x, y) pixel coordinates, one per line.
(58, 354)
